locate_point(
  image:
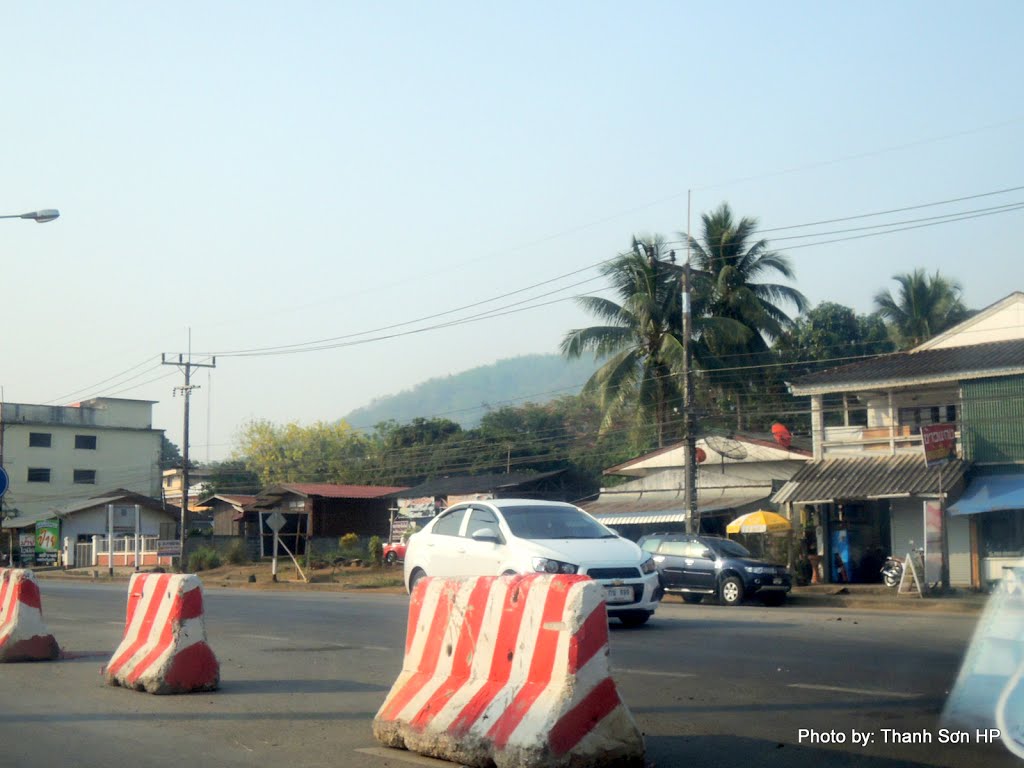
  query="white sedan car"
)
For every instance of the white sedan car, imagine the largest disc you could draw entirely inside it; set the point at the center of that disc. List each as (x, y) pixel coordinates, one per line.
(500, 536)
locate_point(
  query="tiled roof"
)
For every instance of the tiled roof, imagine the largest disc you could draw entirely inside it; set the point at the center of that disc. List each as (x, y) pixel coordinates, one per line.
(877, 477)
(946, 364)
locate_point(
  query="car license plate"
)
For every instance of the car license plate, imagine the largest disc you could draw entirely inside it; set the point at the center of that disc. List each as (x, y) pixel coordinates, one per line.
(776, 580)
(618, 594)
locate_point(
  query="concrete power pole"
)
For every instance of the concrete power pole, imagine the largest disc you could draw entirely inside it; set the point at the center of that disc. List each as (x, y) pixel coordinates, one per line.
(186, 367)
(689, 417)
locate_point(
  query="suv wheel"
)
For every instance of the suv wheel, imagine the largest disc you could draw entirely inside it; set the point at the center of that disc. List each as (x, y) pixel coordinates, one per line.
(731, 591)
(391, 558)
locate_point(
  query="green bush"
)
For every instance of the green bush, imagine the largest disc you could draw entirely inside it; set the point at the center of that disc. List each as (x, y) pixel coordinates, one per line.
(203, 559)
(238, 553)
(350, 547)
(376, 550)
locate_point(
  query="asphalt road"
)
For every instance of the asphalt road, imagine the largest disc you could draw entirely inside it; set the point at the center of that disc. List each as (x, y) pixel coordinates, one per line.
(303, 675)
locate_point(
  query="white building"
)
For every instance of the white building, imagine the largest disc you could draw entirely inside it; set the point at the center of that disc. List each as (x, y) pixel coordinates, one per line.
(57, 455)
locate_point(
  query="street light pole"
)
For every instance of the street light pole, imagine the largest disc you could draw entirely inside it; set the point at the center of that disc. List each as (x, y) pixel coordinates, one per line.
(39, 217)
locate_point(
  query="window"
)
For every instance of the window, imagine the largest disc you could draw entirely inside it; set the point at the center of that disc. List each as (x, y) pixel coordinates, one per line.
(480, 519)
(449, 524)
(85, 442)
(675, 548)
(928, 414)
(38, 475)
(39, 439)
(85, 476)
(1003, 533)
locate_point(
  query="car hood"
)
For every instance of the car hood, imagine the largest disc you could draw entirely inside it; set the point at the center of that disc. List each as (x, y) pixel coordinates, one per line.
(585, 551)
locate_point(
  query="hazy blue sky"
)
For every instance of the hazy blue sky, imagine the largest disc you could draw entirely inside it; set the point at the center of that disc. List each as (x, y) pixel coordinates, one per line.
(276, 173)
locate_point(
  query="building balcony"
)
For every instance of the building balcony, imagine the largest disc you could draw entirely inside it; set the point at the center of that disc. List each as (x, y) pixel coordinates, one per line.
(846, 442)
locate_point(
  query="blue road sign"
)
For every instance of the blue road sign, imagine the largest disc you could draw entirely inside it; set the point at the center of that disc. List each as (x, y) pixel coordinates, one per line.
(4, 481)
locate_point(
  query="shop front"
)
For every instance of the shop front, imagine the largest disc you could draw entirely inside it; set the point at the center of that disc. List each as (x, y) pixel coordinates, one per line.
(993, 505)
(854, 513)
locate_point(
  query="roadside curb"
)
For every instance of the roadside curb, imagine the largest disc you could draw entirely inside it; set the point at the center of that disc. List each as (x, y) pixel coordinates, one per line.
(970, 604)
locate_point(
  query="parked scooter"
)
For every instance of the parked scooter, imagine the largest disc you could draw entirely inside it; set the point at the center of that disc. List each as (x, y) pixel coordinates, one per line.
(892, 571)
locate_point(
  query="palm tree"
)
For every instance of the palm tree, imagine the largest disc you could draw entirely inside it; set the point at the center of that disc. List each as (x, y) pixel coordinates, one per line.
(923, 307)
(729, 265)
(639, 340)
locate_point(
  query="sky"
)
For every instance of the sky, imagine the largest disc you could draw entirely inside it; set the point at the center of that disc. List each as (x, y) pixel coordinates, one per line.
(242, 176)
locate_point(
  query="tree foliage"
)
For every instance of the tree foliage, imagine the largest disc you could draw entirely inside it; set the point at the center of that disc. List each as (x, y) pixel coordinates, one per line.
(639, 341)
(321, 452)
(922, 307)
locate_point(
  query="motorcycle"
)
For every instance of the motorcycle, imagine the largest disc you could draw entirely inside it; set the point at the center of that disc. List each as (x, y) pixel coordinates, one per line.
(892, 571)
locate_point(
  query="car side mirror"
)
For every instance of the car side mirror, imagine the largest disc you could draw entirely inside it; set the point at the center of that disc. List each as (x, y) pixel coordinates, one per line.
(487, 534)
(707, 554)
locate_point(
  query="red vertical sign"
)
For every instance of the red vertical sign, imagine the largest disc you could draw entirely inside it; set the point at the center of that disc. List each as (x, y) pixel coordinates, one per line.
(939, 442)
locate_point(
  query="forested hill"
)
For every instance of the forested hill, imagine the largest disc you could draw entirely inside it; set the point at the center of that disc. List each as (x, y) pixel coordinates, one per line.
(465, 397)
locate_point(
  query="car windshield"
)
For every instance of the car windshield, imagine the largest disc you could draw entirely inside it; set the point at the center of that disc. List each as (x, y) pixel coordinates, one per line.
(553, 523)
(729, 548)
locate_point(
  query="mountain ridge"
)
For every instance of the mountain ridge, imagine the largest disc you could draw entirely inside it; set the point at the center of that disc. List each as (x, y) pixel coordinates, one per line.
(466, 396)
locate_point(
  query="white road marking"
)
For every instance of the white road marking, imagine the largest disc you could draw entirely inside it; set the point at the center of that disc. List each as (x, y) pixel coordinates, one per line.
(858, 691)
(267, 637)
(654, 672)
(407, 757)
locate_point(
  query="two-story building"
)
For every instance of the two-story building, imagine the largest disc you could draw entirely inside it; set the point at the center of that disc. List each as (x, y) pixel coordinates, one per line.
(734, 476)
(55, 455)
(868, 493)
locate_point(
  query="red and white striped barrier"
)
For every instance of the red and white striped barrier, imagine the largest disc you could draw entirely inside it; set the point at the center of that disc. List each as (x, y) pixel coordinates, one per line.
(509, 671)
(23, 634)
(164, 649)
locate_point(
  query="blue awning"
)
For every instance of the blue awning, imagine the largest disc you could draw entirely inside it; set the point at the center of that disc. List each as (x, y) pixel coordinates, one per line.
(991, 493)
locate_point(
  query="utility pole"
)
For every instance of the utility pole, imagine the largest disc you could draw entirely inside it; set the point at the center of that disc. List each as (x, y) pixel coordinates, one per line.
(689, 417)
(186, 366)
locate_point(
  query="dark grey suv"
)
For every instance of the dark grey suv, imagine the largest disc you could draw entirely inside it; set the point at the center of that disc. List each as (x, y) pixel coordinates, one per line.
(696, 566)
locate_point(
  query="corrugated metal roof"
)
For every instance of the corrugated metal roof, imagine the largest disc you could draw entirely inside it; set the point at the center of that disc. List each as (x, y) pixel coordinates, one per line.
(448, 486)
(632, 507)
(334, 491)
(870, 478)
(946, 364)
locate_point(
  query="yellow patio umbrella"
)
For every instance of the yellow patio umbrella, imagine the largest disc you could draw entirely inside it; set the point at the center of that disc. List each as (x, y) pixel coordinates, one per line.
(761, 521)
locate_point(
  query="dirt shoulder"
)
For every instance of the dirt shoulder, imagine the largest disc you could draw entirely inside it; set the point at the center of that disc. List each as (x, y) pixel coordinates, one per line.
(258, 576)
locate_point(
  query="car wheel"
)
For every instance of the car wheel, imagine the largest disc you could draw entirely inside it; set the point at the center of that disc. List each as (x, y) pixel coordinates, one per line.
(391, 558)
(731, 591)
(773, 599)
(692, 599)
(637, 619)
(415, 579)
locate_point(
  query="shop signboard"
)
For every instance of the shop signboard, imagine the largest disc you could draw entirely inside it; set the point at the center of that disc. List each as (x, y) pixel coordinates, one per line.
(27, 546)
(932, 542)
(939, 441)
(47, 542)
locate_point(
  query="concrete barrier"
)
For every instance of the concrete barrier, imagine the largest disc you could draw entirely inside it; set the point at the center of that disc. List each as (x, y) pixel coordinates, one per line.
(511, 672)
(164, 649)
(23, 634)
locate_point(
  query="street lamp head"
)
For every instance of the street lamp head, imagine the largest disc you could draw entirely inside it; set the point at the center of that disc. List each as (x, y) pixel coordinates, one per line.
(43, 216)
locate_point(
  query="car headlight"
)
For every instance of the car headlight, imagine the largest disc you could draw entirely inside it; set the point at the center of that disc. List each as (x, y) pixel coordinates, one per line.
(648, 566)
(760, 570)
(547, 565)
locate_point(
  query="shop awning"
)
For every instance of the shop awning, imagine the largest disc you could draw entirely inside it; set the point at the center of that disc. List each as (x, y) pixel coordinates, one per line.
(878, 477)
(643, 507)
(990, 493)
